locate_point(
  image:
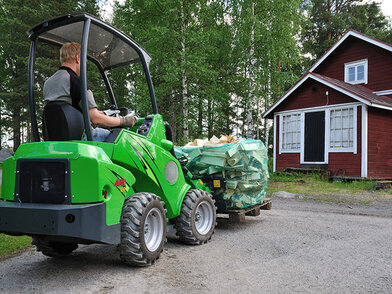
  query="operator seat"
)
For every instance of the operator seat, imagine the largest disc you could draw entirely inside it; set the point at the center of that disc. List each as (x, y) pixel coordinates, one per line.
(62, 122)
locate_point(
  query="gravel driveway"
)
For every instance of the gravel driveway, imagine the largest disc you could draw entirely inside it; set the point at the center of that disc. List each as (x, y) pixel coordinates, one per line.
(304, 247)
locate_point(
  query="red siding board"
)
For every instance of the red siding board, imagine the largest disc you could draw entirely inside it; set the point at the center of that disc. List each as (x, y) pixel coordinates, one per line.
(312, 94)
(379, 143)
(353, 49)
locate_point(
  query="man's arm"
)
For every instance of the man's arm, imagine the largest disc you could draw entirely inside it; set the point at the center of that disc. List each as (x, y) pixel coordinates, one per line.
(99, 118)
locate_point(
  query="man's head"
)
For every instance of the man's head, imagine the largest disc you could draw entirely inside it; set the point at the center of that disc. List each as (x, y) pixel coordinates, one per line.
(70, 56)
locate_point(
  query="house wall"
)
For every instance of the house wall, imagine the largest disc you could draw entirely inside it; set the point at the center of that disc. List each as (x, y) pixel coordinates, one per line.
(312, 94)
(353, 49)
(379, 143)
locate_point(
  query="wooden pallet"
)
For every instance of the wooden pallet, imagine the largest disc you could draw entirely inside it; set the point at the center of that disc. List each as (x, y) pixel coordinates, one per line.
(238, 215)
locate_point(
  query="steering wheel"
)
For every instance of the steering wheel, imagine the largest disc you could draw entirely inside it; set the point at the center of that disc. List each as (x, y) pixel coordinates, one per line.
(113, 111)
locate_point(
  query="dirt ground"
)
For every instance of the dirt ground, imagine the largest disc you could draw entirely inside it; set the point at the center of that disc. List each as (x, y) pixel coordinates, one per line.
(297, 247)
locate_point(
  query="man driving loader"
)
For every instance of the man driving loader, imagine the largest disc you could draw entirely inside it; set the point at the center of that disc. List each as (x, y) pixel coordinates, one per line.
(64, 86)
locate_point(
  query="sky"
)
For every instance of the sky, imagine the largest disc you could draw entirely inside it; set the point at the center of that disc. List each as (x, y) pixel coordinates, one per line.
(386, 7)
(106, 5)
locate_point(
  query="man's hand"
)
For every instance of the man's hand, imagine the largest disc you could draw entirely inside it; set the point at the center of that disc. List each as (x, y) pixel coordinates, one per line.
(128, 121)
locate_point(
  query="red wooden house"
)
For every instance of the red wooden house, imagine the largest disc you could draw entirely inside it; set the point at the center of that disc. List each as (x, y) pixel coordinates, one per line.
(339, 114)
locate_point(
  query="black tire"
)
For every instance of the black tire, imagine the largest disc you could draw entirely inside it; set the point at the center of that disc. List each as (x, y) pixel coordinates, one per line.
(143, 229)
(197, 220)
(52, 248)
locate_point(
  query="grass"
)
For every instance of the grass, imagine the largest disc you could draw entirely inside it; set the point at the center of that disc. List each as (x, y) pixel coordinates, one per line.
(313, 186)
(10, 245)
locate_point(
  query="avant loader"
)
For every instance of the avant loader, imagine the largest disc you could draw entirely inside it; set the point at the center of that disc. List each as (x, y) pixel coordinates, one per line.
(64, 191)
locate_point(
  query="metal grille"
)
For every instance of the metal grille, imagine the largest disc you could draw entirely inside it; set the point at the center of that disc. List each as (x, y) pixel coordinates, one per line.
(42, 181)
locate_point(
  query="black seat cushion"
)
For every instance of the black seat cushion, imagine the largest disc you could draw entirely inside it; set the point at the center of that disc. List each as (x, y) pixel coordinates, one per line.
(62, 122)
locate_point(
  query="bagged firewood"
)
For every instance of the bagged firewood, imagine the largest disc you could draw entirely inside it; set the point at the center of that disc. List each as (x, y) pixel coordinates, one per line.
(242, 164)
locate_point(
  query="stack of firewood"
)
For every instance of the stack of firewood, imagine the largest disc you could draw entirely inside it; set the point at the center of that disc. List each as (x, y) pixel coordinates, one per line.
(242, 164)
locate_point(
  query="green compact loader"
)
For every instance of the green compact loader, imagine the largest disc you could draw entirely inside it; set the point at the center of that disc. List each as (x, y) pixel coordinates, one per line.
(64, 191)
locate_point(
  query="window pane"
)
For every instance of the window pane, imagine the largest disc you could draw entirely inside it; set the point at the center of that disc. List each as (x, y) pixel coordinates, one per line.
(351, 74)
(360, 72)
(341, 128)
(291, 130)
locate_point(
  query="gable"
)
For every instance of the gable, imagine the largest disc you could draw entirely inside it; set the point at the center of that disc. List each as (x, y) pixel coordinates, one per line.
(313, 94)
(356, 92)
(348, 34)
(353, 49)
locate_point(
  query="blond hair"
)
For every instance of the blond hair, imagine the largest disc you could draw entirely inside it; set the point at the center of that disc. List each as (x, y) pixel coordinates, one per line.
(69, 51)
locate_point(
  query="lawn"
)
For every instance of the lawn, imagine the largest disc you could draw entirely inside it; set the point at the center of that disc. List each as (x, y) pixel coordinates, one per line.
(10, 245)
(313, 186)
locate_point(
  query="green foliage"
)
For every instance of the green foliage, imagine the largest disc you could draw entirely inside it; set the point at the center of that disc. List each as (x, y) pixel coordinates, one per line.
(326, 24)
(209, 45)
(16, 17)
(214, 61)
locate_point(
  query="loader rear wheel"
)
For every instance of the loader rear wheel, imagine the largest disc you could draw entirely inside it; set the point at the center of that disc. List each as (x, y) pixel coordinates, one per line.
(52, 248)
(197, 219)
(143, 229)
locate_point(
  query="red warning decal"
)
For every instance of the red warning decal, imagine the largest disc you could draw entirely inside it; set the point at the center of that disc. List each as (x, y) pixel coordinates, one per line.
(122, 184)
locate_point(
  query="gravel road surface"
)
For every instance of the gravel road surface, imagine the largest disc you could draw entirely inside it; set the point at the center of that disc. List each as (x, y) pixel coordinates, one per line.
(297, 247)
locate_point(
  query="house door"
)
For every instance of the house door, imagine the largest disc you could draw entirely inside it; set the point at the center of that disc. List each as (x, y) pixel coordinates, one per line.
(314, 136)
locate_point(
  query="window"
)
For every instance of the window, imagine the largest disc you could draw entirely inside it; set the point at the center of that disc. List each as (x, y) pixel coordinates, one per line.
(291, 132)
(356, 72)
(341, 136)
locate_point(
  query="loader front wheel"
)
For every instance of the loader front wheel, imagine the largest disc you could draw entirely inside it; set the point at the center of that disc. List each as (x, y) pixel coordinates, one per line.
(197, 219)
(52, 248)
(143, 229)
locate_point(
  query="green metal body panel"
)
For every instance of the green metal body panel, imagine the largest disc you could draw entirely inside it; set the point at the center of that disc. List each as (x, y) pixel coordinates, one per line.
(92, 171)
(141, 161)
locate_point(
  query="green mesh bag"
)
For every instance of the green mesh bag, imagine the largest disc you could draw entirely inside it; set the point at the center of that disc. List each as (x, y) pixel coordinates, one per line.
(243, 165)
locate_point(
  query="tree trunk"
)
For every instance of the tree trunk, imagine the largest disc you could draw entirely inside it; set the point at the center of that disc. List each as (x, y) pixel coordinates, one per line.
(209, 118)
(328, 24)
(172, 115)
(267, 100)
(200, 118)
(250, 99)
(184, 77)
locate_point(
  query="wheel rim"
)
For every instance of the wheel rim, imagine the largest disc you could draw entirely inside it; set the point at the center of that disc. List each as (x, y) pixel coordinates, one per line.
(153, 229)
(204, 217)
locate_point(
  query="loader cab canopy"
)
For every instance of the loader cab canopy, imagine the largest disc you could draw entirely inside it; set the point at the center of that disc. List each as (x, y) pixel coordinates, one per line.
(101, 43)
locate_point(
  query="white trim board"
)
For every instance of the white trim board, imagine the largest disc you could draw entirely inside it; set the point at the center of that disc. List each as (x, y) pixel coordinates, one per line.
(384, 92)
(274, 150)
(364, 142)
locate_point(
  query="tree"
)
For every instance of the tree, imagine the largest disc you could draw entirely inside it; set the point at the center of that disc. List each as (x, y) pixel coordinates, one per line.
(329, 19)
(16, 17)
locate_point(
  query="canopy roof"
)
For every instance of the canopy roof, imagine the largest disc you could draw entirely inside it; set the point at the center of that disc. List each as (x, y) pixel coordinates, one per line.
(107, 46)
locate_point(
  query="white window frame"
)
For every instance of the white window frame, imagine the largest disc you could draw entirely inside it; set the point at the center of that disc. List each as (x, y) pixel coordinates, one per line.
(352, 149)
(281, 150)
(355, 64)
